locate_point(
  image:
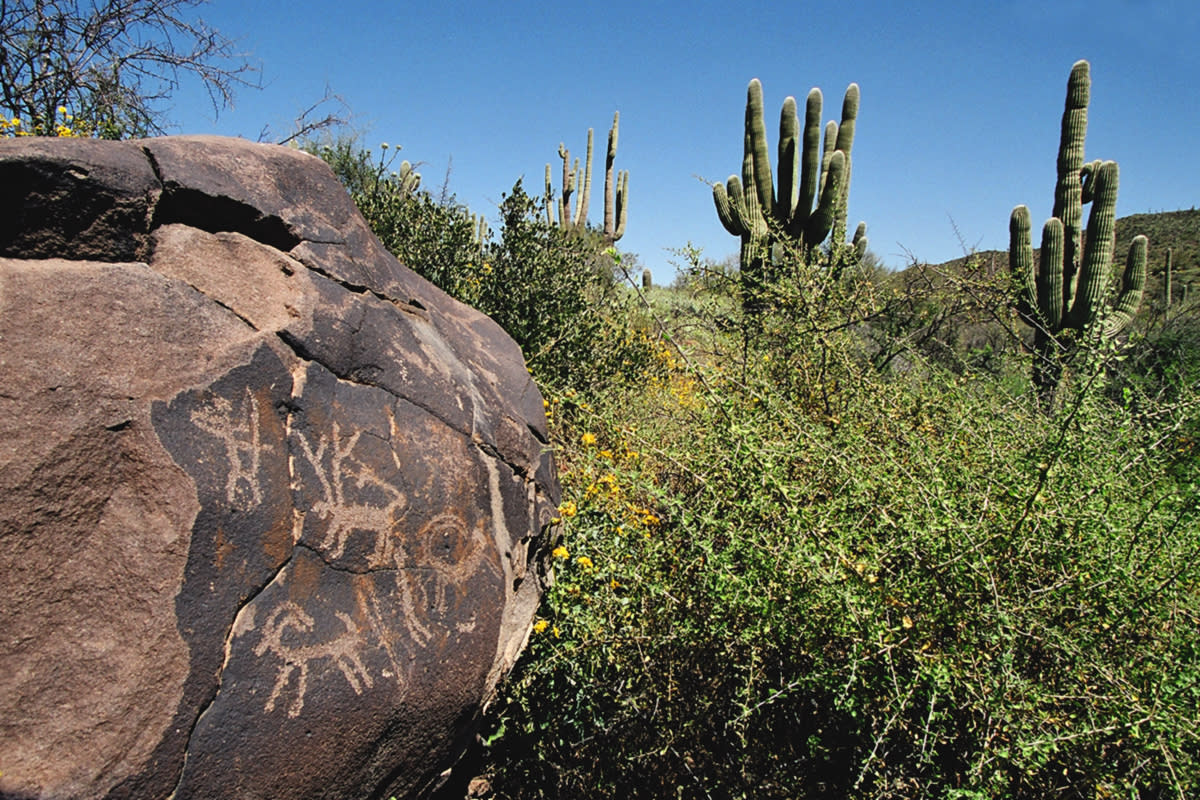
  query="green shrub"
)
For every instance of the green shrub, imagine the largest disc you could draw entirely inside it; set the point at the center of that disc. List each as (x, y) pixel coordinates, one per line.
(551, 289)
(789, 572)
(785, 574)
(435, 238)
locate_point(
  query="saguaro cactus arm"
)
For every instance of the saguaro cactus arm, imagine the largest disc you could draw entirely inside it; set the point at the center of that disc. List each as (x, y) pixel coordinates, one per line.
(1096, 268)
(822, 219)
(1051, 277)
(1020, 262)
(585, 196)
(810, 165)
(622, 207)
(859, 241)
(569, 178)
(1133, 285)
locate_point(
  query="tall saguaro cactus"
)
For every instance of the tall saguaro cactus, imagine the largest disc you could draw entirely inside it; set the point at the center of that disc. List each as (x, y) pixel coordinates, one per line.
(814, 182)
(616, 193)
(572, 212)
(1066, 295)
(567, 216)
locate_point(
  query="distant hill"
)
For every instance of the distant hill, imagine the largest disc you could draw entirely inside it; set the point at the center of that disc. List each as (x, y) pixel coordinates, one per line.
(1177, 231)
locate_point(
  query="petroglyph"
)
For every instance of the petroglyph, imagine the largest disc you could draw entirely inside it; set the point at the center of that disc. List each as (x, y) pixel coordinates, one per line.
(285, 627)
(238, 430)
(343, 487)
(412, 597)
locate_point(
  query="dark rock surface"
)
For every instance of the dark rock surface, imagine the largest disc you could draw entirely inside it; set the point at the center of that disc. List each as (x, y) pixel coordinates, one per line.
(276, 509)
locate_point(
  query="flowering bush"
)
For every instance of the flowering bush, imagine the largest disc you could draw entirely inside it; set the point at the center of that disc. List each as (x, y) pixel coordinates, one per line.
(787, 574)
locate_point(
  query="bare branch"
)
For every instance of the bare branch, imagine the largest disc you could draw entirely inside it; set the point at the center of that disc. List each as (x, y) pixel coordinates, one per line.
(111, 62)
(331, 111)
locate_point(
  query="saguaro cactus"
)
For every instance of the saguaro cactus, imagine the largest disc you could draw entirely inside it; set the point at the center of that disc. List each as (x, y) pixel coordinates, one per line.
(1066, 294)
(616, 194)
(1167, 280)
(814, 181)
(569, 217)
(572, 211)
(408, 179)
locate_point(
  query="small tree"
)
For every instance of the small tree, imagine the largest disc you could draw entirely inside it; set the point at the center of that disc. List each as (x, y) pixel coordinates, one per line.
(109, 61)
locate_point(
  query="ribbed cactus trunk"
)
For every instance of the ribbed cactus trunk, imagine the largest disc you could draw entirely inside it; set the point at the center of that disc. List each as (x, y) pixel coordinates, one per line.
(1066, 295)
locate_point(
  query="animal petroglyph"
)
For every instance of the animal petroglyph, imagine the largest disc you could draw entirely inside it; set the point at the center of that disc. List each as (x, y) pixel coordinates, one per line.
(238, 431)
(412, 597)
(285, 629)
(344, 486)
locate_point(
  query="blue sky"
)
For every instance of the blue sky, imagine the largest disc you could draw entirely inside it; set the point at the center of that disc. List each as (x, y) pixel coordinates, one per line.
(959, 118)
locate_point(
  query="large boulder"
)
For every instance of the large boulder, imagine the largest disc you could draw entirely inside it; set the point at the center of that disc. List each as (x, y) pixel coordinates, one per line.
(276, 510)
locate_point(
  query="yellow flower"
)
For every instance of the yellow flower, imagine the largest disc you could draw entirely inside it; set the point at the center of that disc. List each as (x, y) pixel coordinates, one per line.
(568, 509)
(606, 454)
(584, 562)
(560, 552)
(588, 439)
(540, 626)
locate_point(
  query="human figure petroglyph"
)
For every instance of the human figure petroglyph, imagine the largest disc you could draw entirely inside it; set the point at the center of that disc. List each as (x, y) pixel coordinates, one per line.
(290, 623)
(243, 446)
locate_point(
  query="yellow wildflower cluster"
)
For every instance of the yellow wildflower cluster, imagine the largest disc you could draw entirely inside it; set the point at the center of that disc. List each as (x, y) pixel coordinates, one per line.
(610, 525)
(542, 625)
(64, 126)
(606, 485)
(554, 405)
(665, 356)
